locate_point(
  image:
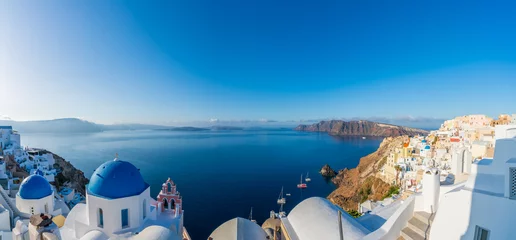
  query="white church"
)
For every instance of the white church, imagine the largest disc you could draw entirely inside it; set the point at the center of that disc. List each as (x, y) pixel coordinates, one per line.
(118, 206)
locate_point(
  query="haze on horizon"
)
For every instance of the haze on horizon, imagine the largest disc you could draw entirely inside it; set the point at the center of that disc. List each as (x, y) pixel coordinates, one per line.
(187, 61)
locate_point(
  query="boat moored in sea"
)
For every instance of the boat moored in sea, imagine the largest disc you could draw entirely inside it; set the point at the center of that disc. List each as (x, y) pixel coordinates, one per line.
(281, 199)
(251, 216)
(307, 179)
(301, 184)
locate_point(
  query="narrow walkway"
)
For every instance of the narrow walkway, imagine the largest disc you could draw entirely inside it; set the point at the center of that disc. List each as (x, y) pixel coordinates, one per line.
(418, 227)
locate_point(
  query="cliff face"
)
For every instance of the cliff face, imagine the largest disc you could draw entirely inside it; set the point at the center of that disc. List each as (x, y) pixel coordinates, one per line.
(72, 175)
(358, 184)
(360, 128)
(69, 175)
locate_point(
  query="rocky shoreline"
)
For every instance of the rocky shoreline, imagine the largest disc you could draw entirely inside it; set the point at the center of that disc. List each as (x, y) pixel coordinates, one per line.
(359, 184)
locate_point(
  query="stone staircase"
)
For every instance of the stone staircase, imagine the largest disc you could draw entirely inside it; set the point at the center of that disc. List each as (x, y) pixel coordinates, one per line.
(418, 227)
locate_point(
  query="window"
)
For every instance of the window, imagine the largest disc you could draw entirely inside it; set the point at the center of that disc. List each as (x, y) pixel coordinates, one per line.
(512, 183)
(46, 208)
(101, 218)
(144, 208)
(481, 233)
(125, 218)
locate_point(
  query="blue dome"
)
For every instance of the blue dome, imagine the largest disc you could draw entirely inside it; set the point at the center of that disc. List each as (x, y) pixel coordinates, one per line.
(34, 187)
(116, 179)
(424, 141)
(427, 147)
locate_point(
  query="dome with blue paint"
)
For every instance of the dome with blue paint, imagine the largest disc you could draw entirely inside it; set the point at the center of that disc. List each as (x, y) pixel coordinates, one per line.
(116, 179)
(427, 147)
(34, 187)
(424, 141)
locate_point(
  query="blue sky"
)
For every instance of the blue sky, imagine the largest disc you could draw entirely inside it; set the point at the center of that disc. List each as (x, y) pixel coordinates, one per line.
(179, 61)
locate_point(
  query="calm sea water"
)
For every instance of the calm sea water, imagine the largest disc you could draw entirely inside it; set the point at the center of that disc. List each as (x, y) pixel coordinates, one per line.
(221, 174)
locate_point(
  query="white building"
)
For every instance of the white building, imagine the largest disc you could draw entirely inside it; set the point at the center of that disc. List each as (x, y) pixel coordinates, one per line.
(9, 139)
(118, 205)
(461, 160)
(36, 196)
(484, 207)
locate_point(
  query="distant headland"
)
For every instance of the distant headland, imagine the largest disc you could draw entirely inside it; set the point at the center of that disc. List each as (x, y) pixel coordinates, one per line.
(360, 128)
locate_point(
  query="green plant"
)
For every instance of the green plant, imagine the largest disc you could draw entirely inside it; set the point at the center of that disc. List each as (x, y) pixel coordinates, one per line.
(354, 213)
(393, 190)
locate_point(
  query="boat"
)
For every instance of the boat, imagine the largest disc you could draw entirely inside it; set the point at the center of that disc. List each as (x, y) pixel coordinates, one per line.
(288, 194)
(251, 216)
(281, 199)
(307, 179)
(363, 137)
(301, 184)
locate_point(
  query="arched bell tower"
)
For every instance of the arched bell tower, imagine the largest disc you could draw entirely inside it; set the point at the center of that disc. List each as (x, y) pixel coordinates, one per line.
(170, 198)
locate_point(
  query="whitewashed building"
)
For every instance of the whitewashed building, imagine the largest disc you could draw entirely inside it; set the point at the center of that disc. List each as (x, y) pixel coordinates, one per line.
(118, 205)
(483, 208)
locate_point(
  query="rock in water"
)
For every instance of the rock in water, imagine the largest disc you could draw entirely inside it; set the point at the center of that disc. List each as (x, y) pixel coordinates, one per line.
(327, 171)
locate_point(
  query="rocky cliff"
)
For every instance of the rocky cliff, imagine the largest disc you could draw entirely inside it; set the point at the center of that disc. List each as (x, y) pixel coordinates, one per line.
(359, 184)
(69, 175)
(360, 128)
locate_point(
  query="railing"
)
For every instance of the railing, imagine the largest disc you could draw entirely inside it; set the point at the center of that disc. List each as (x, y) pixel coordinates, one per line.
(392, 227)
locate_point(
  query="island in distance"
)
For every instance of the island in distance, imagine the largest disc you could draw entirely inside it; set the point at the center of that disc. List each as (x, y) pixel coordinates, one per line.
(360, 128)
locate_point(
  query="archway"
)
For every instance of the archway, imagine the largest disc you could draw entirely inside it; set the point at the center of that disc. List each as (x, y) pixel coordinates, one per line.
(169, 187)
(172, 204)
(165, 203)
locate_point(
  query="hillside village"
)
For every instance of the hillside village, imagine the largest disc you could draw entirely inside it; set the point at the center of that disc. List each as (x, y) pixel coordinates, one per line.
(413, 187)
(450, 149)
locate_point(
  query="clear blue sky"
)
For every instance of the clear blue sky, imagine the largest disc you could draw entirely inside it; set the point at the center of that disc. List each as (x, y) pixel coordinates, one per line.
(164, 61)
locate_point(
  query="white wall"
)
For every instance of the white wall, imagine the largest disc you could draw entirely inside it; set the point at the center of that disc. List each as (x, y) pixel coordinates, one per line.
(505, 131)
(24, 205)
(112, 212)
(5, 221)
(15, 140)
(392, 227)
(458, 215)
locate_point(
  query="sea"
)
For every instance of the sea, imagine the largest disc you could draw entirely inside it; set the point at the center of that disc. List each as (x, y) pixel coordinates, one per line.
(220, 174)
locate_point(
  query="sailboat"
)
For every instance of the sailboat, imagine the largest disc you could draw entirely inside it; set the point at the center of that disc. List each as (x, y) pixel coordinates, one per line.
(307, 179)
(288, 194)
(251, 216)
(281, 199)
(301, 184)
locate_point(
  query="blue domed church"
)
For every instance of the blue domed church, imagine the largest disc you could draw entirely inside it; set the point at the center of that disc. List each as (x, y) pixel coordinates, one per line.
(35, 196)
(118, 205)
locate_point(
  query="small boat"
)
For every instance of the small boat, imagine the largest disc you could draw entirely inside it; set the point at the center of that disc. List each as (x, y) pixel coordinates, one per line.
(307, 179)
(363, 137)
(301, 184)
(251, 216)
(288, 194)
(281, 199)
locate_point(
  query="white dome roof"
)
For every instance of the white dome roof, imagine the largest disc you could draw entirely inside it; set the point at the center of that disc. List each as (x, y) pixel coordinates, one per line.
(239, 229)
(317, 218)
(94, 235)
(154, 233)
